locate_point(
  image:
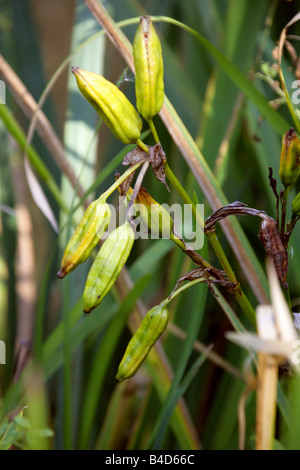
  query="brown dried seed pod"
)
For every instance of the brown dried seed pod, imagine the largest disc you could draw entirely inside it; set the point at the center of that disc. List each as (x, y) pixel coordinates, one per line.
(274, 247)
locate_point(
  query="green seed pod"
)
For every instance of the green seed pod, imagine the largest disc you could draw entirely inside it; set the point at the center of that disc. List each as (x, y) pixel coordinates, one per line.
(289, 158)
(107, 266)
(148, 62)
(153, 216)
(296, 205)
(111, 104)
(151, 328)
(90, 230)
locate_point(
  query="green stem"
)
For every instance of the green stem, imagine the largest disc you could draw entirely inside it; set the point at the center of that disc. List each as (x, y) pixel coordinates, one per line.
(212, 237)
(283, 208)
(178, 241)
(238, 293)
(120, 180)
(153, 130)
(182, 288)
(137, 187)
(143, 146)
(183, 194)
(245, 305)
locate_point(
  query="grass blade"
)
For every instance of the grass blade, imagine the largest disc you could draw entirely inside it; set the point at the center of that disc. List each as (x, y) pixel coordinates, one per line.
(102, 360)
(80, 143)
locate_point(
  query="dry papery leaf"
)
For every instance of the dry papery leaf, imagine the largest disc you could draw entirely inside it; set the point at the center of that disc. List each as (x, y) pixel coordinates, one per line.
(157, 159)
(206, 275)
(234, 208)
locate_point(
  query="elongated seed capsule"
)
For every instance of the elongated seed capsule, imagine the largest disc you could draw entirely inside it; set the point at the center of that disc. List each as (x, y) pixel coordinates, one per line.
(156, 216)
(90, 230)
(151, 328)
(148, 62)
(153, 215)
(296, 205)
(289, 169)
(107, 266)
(111, 104)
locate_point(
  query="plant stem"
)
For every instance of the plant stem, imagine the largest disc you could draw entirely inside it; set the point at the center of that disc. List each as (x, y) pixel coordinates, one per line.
(182, 288)
(212, 237)
(283, 208)
(187, 146)
(183, 194)
(237, 292)
(136, 190)
(120, 180)
(153, 130)
(143, 146)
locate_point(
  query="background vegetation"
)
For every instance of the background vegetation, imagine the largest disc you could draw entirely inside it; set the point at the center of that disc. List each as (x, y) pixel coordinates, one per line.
(58, 380)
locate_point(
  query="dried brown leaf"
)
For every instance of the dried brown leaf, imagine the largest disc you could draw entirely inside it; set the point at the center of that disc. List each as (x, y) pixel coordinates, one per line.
(137, 155)
(270, 238)
(157, 158)
(208, 278)
(234, 208)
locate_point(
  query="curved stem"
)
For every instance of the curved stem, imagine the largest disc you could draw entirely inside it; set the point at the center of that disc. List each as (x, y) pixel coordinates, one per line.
(283, 209)
(212, 237)
(153, 130)
(120, 180)
(137, 187)
(143, 146)
(182, 288)
(238, 293)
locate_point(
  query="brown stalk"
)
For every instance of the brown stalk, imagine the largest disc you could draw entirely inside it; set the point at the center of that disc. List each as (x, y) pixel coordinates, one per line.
(266, 400)
(125, 48)
(25, 275)
(45, 130)
(137, 187)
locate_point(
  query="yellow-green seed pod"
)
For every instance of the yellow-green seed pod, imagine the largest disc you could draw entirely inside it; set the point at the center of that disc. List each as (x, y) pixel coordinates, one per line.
(151, 328)
(296, 205)
(148, 62)
(289, 158)
(107, 266)
(154, 216)
(90, 230)
(111, 104)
